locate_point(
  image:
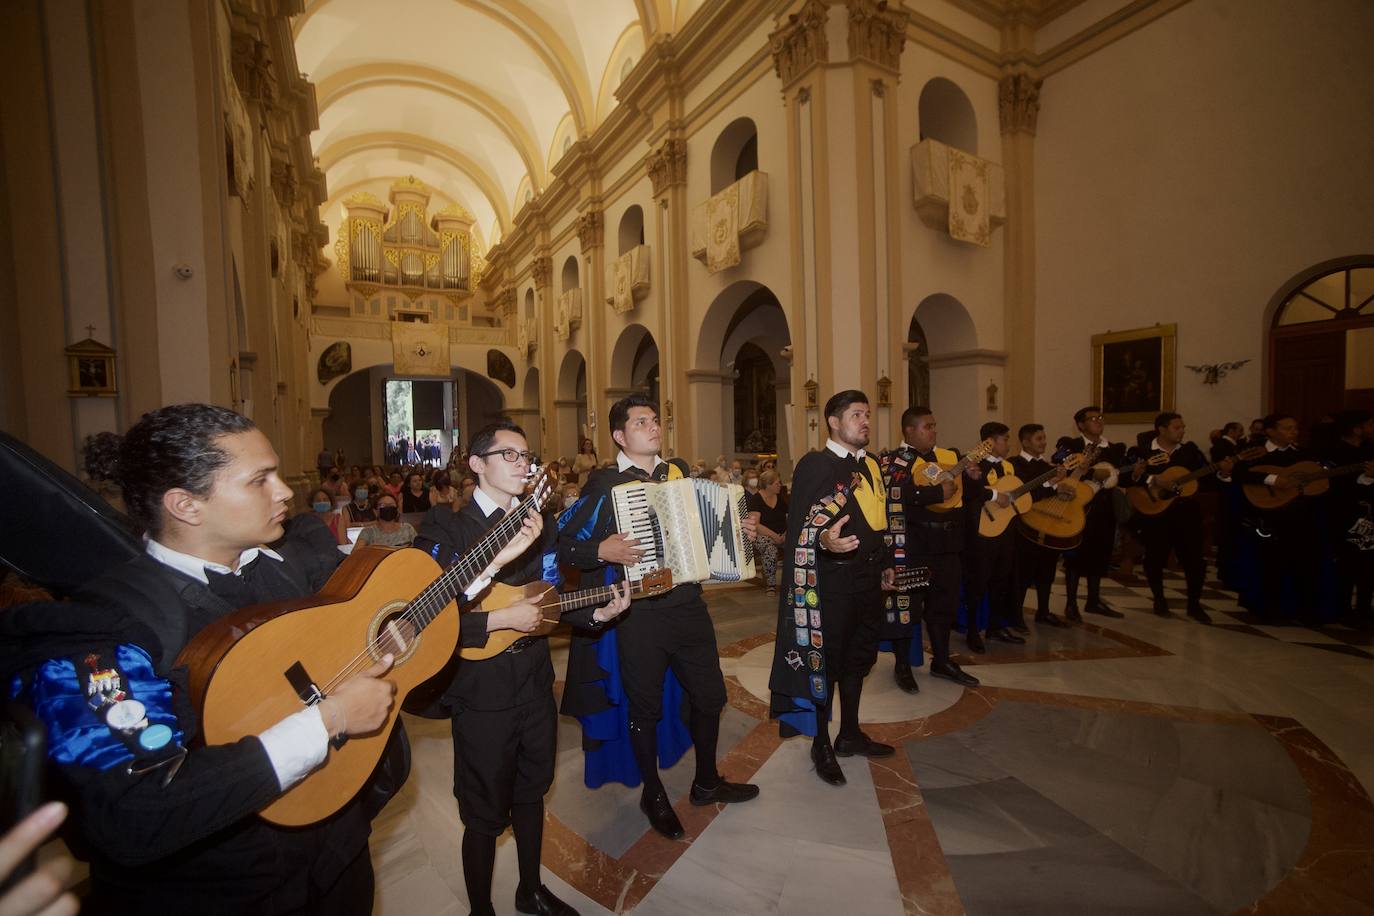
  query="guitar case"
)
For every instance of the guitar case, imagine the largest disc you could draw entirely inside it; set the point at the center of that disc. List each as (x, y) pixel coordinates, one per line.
(59, 534)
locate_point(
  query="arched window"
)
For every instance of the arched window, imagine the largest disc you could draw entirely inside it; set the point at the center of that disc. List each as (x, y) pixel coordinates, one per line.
(529, 303)
(569, 274)
(631, 229)
(918, 366)
(736, 148)
(946, 115)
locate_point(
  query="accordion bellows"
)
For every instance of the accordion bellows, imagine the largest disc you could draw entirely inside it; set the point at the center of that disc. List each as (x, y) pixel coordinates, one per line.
(689, 526)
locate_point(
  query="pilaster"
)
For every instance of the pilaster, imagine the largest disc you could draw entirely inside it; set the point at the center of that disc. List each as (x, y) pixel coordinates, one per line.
(667, 168)
(1018, 109)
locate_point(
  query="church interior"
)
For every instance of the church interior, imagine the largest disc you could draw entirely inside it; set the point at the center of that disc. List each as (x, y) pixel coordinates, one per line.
(349, 220)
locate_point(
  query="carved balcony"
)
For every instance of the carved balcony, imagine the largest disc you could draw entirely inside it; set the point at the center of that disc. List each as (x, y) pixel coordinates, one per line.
(957, 192)
(629, 279)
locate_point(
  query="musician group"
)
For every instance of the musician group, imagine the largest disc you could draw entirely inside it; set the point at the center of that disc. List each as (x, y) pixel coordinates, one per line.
(884, 549)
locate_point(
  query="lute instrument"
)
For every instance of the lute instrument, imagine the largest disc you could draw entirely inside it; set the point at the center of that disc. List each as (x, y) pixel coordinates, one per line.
(254, 667)
(1175, 482)
(994, 519)
(932, 474)
(554, 605)
(1310, 477)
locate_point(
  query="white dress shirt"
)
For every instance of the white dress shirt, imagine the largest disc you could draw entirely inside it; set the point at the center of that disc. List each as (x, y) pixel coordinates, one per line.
(624, 462)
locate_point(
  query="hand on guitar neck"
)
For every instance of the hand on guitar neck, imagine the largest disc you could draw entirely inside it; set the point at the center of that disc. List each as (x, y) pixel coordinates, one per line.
(527, 616)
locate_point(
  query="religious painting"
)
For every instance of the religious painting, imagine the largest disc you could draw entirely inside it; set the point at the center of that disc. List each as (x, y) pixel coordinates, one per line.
(335, 362)
(1133, 373)
(90, 370)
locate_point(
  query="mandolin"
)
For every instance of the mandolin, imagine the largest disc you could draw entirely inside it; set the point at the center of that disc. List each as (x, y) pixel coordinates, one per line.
(1172, 483)
(931, 474)
(252, 668)
(554, 605)
(1312, 479)
(994, 519)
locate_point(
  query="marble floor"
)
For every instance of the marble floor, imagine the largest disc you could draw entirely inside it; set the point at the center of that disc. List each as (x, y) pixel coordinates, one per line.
(1143, 765)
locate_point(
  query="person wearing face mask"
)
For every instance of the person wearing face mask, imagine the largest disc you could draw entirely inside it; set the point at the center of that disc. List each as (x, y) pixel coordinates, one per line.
(570, 495)
(322, 504)
(389, 531)
(359, 512)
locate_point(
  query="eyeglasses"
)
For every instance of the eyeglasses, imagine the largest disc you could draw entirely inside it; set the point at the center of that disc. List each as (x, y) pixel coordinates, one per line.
(510, 454)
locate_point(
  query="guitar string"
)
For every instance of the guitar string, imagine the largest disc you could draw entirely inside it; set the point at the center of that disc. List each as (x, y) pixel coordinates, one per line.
(426, 602)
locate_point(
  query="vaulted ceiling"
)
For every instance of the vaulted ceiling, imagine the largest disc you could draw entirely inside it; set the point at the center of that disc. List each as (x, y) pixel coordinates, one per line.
(477, 98)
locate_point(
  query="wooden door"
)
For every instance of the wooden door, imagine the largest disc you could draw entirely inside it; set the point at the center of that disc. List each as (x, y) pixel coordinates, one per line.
(1308, 375)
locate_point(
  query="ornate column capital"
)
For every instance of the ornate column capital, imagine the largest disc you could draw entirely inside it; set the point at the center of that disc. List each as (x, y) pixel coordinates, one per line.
(541, 269)
(284, 182)
(251, 63)
(504, 303)
(667, 165)
(800, 43)
(877, 33)
(589, 230)
(1018, 103)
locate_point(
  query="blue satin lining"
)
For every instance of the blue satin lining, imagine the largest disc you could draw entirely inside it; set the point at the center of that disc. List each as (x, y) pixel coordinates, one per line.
(76, 735)
(613, 760)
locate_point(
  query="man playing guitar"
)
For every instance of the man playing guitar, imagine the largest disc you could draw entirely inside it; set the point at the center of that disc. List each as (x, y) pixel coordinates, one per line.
(504, 717)
(1090, 558)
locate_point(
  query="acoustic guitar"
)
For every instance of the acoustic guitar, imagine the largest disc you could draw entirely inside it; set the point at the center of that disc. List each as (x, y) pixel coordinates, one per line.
(932, 474)
(993, 519)
(1312, 479)
(252, 668)
(555, 605)
(1175, 482)
(1058, 522)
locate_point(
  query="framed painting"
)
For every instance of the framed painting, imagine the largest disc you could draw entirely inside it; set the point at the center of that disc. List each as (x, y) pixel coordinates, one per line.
(90, 370)
(1133, 373)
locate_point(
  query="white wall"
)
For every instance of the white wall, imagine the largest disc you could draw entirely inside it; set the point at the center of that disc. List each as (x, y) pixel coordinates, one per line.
(1187, 171)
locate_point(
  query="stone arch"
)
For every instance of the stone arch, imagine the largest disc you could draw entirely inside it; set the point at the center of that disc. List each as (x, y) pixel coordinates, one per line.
(529, 304)
(735, 153)
(631, 231)
(634, 362)
(569, 274)
(946, 114)
(570, 403)
(746, 313)
(958, 371)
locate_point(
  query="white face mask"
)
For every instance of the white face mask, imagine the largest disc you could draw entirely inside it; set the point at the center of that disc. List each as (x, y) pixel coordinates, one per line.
(752, 482)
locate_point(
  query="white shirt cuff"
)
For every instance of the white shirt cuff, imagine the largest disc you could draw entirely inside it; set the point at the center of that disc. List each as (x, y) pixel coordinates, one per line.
(1270, 479)
(296, 745)
(1096, 487)
(993, 494)
(1052, 484)
(1364, 480)
(476, 588)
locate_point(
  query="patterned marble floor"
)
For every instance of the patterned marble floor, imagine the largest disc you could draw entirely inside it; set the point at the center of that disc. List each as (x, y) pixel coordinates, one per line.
(1142, 765)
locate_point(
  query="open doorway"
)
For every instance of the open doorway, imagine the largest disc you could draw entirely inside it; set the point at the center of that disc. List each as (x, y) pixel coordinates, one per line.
(419, 428)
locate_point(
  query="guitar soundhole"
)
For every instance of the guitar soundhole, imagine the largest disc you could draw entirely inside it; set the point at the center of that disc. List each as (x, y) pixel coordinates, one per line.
(391, 631)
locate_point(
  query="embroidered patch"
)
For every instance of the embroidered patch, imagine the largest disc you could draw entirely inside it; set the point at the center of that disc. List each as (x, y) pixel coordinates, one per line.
(799, 616)
(818, 686)
(812, 598)
(814, 660)
(817, 639)
(802, 638)
(793, 659)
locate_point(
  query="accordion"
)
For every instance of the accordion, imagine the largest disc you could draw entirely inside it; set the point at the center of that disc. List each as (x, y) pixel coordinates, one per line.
(689, 526)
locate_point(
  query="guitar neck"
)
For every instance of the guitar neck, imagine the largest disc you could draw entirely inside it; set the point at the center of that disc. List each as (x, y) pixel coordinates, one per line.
(586, 597)
(1032, 484)
(457, 578)
(1335, 472)
(1194, 475)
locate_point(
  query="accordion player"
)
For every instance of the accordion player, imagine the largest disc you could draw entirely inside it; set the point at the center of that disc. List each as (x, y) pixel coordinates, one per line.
(690, 526)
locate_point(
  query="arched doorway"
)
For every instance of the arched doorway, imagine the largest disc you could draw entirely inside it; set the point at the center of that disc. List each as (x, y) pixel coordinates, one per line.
(952, 368)
(1321, 341)
(917, 365)
(451, 408)
(634, 363)
(741, 384)
(570, 405)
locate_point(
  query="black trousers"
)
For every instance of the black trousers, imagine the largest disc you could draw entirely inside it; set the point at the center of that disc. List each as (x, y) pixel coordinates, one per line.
(850, 625)
(1094, 554)
(990, 569)
(1035, 567)
(1177, 530)
(653, 638)
(939, 604)
(502, 757)
(1290, 557)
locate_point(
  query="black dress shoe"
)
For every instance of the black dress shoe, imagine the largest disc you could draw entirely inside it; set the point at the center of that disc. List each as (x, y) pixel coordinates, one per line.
(542, 903)
(1198, 614)
(863, 746)
(1104, 610)
(1162, 608)
(1006, 635)
(661, 815)
(975, 642)
(724, 793)
(1071, 614)
(905, 679)
(1050, 620)
(827, 767)
(952, 672)
(1020, 627)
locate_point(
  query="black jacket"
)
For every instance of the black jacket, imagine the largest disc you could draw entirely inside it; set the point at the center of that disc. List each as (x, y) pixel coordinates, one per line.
(192, 845)
(818, 474)
(512, 678)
